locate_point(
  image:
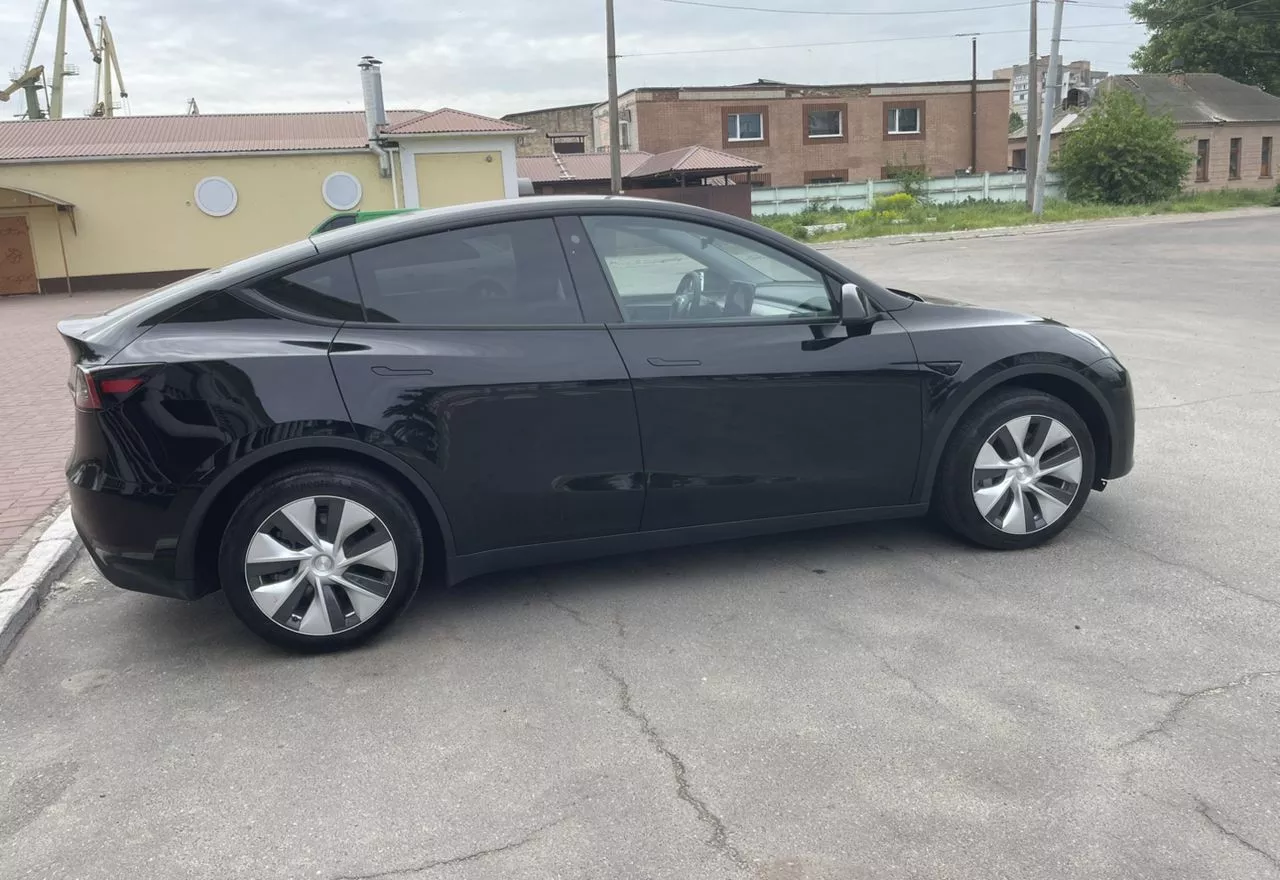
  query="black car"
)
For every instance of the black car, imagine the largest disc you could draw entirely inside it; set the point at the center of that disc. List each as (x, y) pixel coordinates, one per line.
(316, 429)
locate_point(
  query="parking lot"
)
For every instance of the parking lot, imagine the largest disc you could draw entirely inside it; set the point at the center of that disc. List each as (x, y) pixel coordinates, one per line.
(874, 702)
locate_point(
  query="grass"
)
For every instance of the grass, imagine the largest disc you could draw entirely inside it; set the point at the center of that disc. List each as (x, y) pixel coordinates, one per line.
(899, 215)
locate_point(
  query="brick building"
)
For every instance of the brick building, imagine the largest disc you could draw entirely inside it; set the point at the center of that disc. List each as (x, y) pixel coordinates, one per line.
(1232, 129)
(820, 134)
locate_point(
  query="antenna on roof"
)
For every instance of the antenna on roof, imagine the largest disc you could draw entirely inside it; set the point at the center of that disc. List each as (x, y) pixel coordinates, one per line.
(193, 109)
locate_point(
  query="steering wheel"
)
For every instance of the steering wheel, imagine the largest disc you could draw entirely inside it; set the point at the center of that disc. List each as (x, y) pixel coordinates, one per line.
(688, 299)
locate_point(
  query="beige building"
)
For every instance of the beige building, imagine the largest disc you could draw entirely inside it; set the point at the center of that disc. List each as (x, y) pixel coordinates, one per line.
(803, 134)
(1231, 128)
(134, 201)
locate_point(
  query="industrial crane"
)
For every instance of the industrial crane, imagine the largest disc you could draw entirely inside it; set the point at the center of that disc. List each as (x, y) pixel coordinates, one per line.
(24, 76)
(108, 62)
(31, 79)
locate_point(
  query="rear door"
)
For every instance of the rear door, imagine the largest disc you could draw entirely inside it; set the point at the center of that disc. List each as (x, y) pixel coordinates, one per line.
(475, 366)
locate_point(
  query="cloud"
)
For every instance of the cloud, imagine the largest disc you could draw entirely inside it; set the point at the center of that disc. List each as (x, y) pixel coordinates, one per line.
(508, 55)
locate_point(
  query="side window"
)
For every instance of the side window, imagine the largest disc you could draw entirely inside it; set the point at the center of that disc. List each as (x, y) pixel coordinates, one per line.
(668, 270)
(325, 290)
(504, 274)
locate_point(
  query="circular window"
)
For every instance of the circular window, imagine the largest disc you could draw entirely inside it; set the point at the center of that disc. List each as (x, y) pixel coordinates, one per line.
(341, 191)
(216, 196)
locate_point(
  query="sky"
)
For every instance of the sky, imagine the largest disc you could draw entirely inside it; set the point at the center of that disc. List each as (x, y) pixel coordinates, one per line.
(504, 56)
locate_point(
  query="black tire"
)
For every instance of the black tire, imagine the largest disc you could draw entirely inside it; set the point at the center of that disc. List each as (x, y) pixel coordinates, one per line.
(328, 481)
(953, 496)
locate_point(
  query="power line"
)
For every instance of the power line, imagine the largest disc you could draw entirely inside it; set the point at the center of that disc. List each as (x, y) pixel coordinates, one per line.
(839, 43)
(707, 5)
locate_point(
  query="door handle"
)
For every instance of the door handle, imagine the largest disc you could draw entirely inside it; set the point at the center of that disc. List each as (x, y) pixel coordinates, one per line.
(392, 371)
(664, 362)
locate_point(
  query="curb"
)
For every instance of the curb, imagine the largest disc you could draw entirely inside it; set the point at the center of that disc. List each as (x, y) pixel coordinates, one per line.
(21, 594)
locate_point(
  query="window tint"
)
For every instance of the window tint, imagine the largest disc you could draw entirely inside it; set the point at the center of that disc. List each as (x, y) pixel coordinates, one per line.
(325, 290)
(665, 270)
(501, 275)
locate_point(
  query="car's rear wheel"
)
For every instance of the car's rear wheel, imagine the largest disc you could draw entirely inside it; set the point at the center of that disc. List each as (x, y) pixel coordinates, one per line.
(320, 558)
(1017, 471)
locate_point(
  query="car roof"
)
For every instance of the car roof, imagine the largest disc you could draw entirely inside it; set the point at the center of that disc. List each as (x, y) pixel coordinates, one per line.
(420, 222)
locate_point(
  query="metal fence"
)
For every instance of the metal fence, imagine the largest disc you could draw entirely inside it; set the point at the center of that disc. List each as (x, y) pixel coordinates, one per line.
(1002, 187)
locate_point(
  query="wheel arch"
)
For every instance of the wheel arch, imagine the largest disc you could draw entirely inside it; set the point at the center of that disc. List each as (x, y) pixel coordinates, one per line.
(1060, 382)
(198, 544)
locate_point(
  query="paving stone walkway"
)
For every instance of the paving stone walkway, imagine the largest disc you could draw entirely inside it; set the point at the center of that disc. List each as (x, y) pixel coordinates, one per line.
(36, 420)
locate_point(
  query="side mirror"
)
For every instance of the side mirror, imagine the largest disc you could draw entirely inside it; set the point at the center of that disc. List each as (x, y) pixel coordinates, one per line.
(853, 307)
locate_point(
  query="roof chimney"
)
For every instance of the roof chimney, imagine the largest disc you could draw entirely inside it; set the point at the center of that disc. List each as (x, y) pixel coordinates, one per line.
(375, 111)
(1178, 76)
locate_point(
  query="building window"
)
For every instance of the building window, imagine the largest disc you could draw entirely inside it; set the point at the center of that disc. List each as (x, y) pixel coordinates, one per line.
(1019, 160)
(838, 175)
(216, 196)
(1266, 158)
(904, 120)
(1233, 160)
(744, 127)
(826, 123)
(1202, 161)
(341, 191)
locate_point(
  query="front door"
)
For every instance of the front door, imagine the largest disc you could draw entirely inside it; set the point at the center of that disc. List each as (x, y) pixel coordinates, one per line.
(476, 367)
(17, 260)
(753, 400)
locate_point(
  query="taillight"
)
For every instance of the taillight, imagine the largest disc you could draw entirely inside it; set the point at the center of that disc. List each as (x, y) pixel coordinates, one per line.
(106, 386)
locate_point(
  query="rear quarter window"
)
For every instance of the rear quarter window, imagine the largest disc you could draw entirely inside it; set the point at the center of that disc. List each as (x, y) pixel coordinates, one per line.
(326, 290)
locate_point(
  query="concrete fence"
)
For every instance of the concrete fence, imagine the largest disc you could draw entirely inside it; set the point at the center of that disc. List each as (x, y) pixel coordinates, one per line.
(1003, 187)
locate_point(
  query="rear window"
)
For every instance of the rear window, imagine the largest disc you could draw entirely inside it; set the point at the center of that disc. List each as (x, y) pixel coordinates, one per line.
(325, 290)
(503, 274)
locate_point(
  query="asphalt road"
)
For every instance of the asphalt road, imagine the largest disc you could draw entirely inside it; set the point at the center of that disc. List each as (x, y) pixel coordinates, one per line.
(869, 702)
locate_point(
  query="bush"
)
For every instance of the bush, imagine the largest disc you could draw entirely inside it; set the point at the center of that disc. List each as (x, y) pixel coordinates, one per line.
(1275, 197)
(1122, 155)
(898, 202)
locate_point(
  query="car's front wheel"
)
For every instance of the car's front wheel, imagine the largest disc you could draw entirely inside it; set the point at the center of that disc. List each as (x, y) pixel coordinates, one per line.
(1017, 471)
(319, 558)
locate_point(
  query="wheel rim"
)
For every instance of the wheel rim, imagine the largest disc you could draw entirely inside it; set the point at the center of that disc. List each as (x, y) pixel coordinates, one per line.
(321, 565)
(1027, 474)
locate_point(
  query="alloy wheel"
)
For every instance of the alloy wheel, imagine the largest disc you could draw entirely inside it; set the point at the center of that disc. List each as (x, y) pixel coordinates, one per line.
(1027, 474)
(321, 565)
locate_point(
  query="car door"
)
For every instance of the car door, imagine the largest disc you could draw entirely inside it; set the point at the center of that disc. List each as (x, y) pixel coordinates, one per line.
(474, 365)
(754, 400)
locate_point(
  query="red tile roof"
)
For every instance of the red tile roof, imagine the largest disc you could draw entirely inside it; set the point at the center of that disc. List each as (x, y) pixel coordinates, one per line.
(690, 159)
(446, 120)
(695, 161)
(125, 136)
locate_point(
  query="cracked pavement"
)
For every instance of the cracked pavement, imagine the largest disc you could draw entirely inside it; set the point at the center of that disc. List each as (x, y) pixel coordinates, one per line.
(873, 702)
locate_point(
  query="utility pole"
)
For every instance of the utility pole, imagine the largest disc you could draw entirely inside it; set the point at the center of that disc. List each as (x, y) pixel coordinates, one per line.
(615, 156)
(59, 63)
(1032, 155)
(973, 106)
(1050, 104)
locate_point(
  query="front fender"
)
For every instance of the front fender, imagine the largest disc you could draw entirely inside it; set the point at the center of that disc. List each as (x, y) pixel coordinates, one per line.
(948, 398)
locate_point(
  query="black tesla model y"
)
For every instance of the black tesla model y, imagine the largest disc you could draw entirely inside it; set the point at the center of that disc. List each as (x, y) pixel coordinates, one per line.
(315, 429)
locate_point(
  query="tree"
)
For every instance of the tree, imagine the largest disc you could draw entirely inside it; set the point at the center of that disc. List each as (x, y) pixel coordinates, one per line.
(1239, 39)
(1015, 121)
(1122, 154)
